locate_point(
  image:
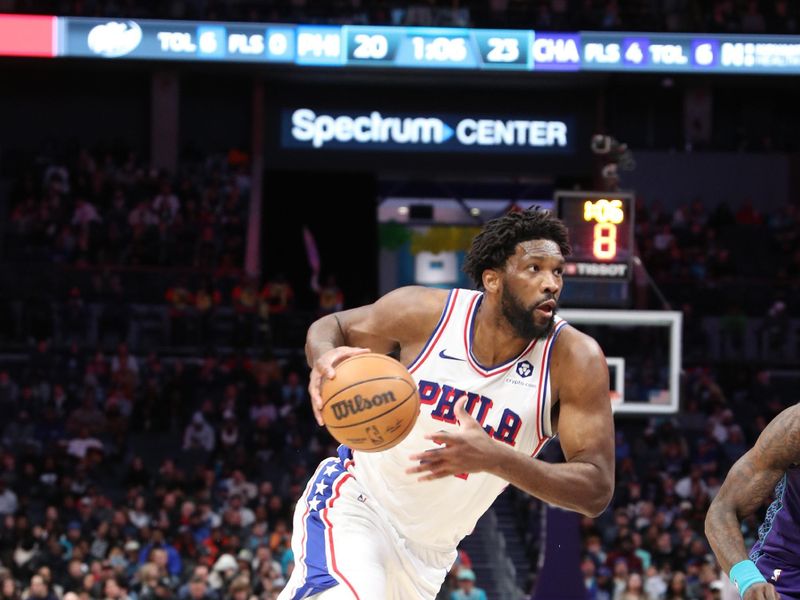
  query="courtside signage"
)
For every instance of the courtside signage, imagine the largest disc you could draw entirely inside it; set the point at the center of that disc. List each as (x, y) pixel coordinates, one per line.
(440, 132)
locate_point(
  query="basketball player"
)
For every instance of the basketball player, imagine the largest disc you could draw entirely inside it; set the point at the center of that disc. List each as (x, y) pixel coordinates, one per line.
(772, 570)
(498, 374)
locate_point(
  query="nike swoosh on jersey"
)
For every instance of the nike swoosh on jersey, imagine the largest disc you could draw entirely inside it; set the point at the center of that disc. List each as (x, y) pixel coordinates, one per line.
(443, 355)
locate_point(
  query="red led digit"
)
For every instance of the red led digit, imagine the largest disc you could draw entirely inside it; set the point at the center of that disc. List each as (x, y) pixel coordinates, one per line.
(605, 241)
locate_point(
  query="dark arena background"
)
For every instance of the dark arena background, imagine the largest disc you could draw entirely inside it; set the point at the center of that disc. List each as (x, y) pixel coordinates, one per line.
(185, 186)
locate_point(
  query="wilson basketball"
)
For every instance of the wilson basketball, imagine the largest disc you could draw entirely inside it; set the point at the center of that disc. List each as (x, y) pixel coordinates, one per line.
(371, 404)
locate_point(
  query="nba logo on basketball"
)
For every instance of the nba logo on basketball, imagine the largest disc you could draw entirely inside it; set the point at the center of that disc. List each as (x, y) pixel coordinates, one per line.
(524, 368)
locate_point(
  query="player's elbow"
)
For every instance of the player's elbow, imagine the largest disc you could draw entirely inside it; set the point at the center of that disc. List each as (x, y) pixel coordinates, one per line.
(601, 490)
(708, 526)
(597, 503)
(713, 515)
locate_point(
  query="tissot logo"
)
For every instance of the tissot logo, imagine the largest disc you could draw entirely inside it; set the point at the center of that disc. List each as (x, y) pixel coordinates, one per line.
(115, 38)
(305, 127)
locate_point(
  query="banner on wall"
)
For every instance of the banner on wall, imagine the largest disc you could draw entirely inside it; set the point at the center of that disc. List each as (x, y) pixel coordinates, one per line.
(436, 132)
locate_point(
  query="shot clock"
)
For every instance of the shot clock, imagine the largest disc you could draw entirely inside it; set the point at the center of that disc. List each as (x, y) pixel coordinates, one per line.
(601, 233)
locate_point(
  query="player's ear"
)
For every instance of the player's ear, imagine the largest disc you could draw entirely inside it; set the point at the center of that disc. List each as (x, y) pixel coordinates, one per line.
(491, 280)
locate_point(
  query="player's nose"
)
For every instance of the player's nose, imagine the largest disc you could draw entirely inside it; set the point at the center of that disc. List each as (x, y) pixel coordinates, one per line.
(550, 283)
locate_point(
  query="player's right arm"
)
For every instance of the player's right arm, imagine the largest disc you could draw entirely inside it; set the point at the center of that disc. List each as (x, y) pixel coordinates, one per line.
(746, 486)
(403, 318)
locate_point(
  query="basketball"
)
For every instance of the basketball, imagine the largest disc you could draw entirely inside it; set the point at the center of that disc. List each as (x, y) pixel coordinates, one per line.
(371, 404)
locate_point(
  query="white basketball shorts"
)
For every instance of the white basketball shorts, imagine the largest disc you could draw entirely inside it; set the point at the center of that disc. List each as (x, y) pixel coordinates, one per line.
(345, 549)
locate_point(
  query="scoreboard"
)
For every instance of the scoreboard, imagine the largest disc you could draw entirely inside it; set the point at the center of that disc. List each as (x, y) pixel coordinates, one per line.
(601, 233)
(397, 47)
(426, 47)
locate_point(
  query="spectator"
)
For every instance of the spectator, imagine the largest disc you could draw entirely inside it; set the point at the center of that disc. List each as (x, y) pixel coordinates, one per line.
(279, 294)
(670, 16)
(8, 499)
(198, 590)
(199, 435)
(124, 367)
(180, 299)
(677, 587)
(162, 555)
(752, 20)
(141, 218)
(85, 214)
(239, 589)
(634, 589)
(9, 589)
(20, 434)
(131, 548)
(225, 569)
(238, 485)
(782, 20)
(114, 589)
(9, 393)
(654, 586)
(39, 590)
(80, 446)
(246, 301)
(74, 316)
(245, 515)
(147, 582)
(206, 299)
(331, 298)
(86, 417)
(748, 214)
(166, 204)
(467, 589)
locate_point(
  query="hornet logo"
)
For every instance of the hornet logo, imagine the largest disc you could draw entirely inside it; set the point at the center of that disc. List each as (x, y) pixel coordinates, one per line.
(115, 38)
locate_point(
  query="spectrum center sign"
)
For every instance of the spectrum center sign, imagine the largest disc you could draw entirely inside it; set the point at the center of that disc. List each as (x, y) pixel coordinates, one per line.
(368, 130)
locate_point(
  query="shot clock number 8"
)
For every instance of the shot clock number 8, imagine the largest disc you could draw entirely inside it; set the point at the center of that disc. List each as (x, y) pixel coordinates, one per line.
(605, 241)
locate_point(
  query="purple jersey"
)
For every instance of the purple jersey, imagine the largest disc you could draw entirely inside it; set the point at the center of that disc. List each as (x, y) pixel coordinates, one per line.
(777, 551)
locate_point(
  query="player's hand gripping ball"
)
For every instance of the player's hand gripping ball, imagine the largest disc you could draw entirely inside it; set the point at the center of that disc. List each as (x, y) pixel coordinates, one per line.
(371, 404)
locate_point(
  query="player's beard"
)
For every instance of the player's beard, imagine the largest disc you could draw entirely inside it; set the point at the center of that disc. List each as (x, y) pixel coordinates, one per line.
(522, 319)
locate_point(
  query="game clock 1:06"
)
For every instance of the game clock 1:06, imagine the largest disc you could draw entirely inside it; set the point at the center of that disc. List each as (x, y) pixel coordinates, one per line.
(440, 49)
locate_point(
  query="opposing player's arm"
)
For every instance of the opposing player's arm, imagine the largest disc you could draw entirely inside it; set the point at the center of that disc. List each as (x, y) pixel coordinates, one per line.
(749, 483)
(586, 481)
(401, 318)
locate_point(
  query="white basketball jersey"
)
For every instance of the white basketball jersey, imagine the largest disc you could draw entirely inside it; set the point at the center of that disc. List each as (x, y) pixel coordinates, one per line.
(511, 401)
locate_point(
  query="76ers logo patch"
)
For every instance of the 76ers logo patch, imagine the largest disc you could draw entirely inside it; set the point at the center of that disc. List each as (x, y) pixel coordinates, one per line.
(524, 368)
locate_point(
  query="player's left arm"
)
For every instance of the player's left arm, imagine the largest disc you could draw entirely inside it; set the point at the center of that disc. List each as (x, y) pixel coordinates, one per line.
(585, 482)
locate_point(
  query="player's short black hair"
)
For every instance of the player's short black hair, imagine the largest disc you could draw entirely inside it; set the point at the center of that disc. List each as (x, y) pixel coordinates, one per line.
(498, 240)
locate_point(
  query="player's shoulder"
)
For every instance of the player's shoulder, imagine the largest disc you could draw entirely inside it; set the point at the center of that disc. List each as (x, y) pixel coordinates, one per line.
(413, 309)
(577, 349)
(418, 299)
(789, 418)
(778, 446)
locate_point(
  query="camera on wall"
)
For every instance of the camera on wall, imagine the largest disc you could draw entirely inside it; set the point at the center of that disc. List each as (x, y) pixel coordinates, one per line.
(602, 144)
(615, 156)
